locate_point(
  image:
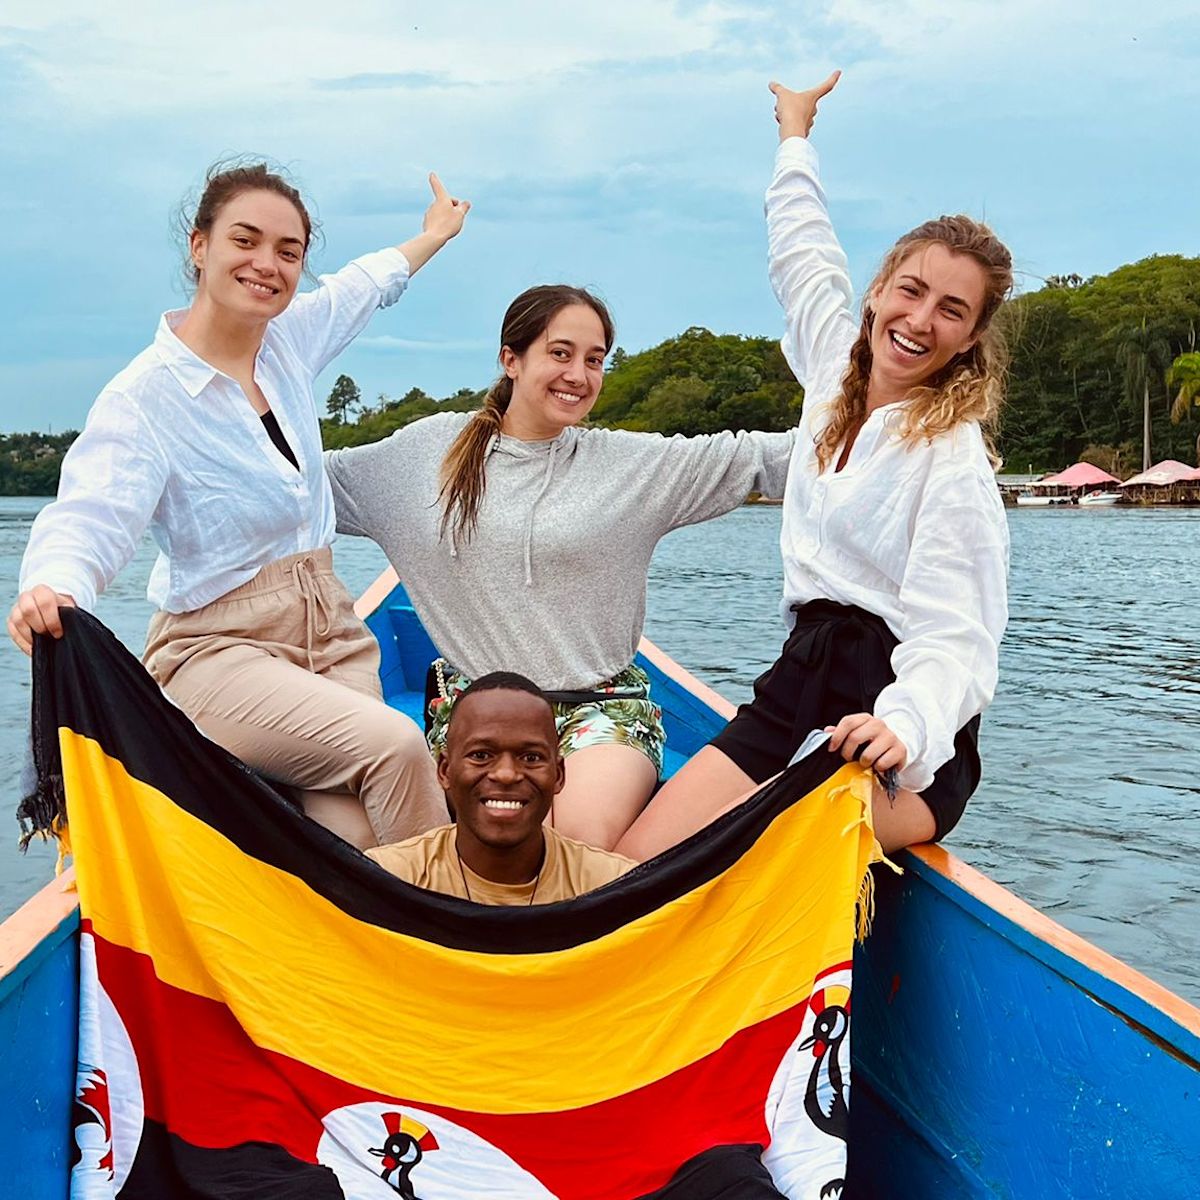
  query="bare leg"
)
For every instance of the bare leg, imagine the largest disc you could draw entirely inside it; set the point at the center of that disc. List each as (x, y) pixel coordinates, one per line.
(905, 823)
(711, 784)
(607, 786)
(705, 786)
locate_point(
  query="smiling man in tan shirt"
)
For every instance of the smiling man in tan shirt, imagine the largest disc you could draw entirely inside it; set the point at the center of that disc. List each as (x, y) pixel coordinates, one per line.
(501, 770)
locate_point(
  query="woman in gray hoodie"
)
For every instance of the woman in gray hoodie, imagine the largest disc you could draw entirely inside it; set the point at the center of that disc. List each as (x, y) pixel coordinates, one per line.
(524, 541)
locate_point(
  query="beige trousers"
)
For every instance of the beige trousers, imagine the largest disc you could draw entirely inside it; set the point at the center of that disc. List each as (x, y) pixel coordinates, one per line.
(282, 673)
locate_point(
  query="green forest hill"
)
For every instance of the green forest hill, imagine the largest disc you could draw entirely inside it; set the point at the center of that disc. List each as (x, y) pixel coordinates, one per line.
(1089, 357)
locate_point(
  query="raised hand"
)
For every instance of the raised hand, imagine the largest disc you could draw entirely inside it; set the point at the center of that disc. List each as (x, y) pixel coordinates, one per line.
(443, 220)
(444, 217)
(36, 611)
(795, 110)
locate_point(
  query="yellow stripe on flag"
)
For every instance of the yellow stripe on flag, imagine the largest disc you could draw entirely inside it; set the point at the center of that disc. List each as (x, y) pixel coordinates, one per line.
(500, 1033)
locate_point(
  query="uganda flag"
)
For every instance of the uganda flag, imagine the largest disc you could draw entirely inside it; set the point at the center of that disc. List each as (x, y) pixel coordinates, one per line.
(265, 1012)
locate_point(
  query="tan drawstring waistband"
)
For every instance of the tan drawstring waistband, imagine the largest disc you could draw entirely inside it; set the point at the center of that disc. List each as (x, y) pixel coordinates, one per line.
(316, 605)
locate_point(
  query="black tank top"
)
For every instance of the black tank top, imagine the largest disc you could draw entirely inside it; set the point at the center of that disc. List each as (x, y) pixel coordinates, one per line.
(271, 425)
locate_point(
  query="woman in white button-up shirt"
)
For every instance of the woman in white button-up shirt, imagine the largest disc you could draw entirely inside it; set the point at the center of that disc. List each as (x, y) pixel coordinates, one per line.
(210, 439)
(894, 540)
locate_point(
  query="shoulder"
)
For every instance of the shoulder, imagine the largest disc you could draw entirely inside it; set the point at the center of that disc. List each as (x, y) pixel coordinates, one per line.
(144, 372)
(132, 400)
(436, 428)
(407, 857)
(426, 434)
(961, 453)
(959, 472)
(598, 438)
(597, 867)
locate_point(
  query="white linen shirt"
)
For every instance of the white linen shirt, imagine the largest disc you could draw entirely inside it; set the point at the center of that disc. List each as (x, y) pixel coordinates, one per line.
(914, 533)
(172, 443)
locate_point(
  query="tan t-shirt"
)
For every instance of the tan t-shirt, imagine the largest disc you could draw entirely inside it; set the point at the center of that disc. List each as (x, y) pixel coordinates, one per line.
(570, 868)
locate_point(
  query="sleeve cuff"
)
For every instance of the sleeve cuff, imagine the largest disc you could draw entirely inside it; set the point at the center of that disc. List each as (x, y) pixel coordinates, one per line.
(388, 270)
(79, 588)
(796, 152)
(915, 775)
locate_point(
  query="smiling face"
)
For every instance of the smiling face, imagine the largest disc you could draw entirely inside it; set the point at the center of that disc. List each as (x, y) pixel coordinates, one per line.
(557, 379)
(501, 770)
(251, 259)
(925, 314)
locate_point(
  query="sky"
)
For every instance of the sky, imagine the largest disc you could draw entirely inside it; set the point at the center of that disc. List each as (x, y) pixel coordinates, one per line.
(623, 145)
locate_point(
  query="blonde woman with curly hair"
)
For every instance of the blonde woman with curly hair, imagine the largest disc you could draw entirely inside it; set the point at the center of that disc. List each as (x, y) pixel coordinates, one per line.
(894, 540)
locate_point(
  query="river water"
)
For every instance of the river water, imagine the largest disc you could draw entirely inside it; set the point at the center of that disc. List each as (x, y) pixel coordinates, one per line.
(1090, 804)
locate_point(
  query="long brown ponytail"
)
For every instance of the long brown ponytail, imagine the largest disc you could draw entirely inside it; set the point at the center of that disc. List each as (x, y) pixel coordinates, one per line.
(968, 388)
(463, 475)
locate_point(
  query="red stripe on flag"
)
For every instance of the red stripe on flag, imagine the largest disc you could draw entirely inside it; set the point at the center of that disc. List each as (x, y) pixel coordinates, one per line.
(208, 1083)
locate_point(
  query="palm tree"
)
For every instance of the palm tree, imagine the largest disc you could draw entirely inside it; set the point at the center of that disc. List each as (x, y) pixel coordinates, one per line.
(1144, 351)
(1185, 375)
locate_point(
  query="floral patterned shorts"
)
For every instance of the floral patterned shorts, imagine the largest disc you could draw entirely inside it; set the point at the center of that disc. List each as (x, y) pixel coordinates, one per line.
(621, 722)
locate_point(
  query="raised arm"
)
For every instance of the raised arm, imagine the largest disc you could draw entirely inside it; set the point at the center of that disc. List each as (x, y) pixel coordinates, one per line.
(112, 479)
(808, 269)
(320, 324)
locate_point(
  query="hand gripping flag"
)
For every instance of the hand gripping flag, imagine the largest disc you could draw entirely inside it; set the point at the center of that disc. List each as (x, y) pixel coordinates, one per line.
(266, 1012)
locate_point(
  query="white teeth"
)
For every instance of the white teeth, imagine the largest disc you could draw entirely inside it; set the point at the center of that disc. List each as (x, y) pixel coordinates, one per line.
(566, 397)
(503, 804)
(257, 287)
(908, 344)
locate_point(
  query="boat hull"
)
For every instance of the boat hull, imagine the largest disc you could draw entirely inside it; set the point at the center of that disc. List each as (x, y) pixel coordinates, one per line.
(1043, 501)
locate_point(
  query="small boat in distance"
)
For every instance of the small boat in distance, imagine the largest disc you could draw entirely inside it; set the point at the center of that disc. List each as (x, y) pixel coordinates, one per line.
(1034, 500)
(995, 1054)
(1101, 499)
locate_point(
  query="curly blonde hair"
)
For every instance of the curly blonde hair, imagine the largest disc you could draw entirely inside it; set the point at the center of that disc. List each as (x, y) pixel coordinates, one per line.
(968, 388)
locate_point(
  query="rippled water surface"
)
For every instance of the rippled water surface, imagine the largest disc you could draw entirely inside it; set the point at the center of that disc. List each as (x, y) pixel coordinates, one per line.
(1090, 805)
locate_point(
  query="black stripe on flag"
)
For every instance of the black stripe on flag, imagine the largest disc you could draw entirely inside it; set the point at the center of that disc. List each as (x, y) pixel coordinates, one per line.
(89, 683)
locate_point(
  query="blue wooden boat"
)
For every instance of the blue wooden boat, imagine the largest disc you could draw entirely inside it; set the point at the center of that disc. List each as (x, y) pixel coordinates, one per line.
(995, 1053)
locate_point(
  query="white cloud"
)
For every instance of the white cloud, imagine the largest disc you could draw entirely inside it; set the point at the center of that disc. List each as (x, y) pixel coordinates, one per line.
(172, 57)
(619, 143)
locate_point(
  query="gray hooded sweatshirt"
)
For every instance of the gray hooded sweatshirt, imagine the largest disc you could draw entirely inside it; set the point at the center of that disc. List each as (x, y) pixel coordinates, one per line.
(553, 582)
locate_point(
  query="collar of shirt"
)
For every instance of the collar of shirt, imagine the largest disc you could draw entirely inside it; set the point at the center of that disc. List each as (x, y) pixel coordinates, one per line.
(192, 372)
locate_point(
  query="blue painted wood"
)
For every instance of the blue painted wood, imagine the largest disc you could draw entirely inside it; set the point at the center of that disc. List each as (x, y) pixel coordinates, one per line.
(1010, 1071)
(1099, 986)
(688, 721)
(39, 1016)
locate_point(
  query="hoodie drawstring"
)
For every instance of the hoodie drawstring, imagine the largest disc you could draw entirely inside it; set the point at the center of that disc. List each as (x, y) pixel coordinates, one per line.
(546, 477)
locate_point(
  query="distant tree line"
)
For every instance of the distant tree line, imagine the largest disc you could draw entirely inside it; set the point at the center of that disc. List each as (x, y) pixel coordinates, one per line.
(1094, 358)
(29, 462)
(1095, 362)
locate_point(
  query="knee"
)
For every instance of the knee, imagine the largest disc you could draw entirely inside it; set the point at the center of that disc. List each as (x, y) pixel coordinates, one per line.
(399, 739)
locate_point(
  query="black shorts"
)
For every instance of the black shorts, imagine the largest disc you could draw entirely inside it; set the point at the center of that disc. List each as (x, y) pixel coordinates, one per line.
(836, 661)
